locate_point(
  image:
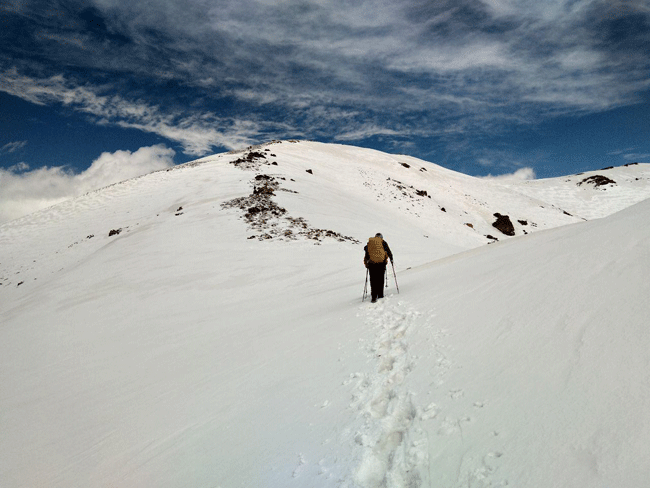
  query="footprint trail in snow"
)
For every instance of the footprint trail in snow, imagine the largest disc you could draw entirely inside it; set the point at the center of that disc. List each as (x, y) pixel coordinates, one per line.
(394, 449)
(398, 442)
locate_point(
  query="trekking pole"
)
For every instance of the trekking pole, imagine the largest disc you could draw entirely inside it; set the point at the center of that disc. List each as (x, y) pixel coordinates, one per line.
(365, 287)
(394, 275)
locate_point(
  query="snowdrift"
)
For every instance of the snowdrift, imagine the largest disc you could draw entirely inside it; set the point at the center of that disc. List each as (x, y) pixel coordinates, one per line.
(203, 326)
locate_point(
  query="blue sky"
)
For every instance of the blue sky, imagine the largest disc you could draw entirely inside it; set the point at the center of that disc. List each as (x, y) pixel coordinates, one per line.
(478, 86)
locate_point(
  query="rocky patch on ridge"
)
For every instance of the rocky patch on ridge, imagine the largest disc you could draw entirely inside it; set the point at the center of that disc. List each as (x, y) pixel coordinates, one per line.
(408, 191)
(265, 216)
(259, 207)
(597, 181)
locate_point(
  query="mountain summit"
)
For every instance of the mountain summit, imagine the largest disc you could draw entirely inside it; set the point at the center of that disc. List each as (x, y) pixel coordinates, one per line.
(203, 326)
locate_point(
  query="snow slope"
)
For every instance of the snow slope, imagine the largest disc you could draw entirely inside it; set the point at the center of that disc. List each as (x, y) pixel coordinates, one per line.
(583, 194)
(219, 338)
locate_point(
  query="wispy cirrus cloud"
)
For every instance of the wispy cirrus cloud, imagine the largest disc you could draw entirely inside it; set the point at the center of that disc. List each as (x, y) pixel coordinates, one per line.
(630, 154)
(12, 147)
(247, 69)
(636, 156)
(198, 133)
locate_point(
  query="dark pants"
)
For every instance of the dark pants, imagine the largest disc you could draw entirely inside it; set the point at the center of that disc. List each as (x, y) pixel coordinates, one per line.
(377, 272)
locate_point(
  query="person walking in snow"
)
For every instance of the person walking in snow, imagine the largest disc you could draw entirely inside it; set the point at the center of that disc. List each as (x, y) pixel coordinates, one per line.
(377, 253)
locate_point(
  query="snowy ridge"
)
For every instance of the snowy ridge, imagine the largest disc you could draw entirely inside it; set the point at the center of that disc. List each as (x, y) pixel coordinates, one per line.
(585, 194)
(202, 344)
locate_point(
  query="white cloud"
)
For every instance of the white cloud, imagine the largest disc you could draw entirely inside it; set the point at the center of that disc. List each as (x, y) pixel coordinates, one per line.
(510, 52)
(522, 174)
(468, 56)
(636, 156)
(27, 192)
(478, 65)
(197, 133)
(367, 131)
(507, 52)
(19, 168)
(618, 152)
(12, 147)
(629, 154)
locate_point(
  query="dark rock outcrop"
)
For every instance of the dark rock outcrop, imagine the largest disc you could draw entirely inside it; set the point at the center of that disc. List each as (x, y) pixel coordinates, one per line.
(598, 180)
(504, 225)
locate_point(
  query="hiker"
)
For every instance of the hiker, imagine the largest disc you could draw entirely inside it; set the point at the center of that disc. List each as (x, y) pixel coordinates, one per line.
(375, 259)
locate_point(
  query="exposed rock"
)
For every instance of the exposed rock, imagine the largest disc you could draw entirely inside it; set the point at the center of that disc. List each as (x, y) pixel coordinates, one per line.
(251, 160)
(597, 180)
(271, 220)
(504, 225)
(263, 190)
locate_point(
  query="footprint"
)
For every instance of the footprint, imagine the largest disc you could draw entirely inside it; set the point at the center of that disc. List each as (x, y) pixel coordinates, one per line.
(456, 394)
(301, 463)
(323, 468)
(430, 412)
(494, 454)
(449, 427)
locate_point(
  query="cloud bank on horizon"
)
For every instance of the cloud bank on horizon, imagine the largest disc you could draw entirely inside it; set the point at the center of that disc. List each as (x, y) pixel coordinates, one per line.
(438, 79)
(25, 191)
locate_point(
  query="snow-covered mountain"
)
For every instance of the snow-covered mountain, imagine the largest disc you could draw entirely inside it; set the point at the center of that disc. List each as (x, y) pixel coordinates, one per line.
(203, 326)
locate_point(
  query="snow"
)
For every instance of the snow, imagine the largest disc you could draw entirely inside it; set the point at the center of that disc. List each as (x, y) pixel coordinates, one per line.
(183, 352)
